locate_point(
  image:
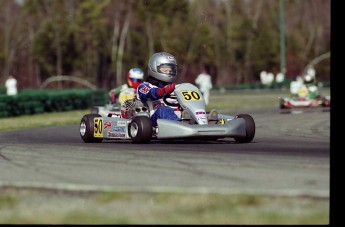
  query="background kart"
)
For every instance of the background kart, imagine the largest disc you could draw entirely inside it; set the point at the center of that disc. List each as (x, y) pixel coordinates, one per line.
(296, 102)
(133, 122)
(107, 110)
(113, 109)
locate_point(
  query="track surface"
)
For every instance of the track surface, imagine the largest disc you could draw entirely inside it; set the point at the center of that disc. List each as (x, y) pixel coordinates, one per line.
(290, 155)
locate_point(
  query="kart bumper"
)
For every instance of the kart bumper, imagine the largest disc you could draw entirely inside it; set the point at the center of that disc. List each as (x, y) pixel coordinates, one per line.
(176, 129)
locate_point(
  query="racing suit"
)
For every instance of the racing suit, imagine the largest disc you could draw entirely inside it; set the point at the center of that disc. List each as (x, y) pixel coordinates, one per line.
(120, 94)
(152, 95)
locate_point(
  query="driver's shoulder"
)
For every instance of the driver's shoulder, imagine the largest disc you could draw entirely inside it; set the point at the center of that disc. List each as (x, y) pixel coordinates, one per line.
(146, 84)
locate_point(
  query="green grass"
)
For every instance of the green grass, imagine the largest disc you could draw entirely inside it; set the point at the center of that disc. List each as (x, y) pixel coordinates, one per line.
(245, 100)
(42, 120)
(157, 208)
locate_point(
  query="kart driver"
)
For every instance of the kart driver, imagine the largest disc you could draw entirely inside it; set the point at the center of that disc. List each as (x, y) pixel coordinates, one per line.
(310, 83)
(305, 88)
(162, 73)
(127, 91)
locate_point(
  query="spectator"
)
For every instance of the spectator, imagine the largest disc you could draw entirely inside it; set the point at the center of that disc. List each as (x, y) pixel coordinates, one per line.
(266, 78)
(280, 77)
(296, 86)
(11, 85)
(205, 84)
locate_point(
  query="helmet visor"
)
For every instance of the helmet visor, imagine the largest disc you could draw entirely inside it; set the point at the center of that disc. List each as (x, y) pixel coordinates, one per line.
(135, 79)
(169, 69)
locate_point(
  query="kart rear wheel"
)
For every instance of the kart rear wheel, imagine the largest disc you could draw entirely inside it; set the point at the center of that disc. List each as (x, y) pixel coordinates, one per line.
(140, 129)
(325, 102)
(250, 129)
(282, 104)
(87, 127)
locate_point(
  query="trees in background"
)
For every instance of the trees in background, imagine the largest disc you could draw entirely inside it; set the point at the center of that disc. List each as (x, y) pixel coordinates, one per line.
(100, 40)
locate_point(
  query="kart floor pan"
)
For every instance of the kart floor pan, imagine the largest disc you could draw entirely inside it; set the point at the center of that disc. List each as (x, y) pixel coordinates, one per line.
(176, 129)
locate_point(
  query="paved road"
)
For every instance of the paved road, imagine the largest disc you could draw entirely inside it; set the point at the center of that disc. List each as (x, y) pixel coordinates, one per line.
(290, 154)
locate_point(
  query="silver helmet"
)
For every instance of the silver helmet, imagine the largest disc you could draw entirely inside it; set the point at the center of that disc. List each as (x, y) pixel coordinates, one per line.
(163, 67)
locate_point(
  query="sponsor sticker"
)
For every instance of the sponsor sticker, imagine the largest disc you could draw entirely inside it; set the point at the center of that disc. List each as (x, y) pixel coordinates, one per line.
(201, 116)
(200, 113)
(144, 90)
(121, 123)
(119, 129)
(116, 135)
(107, 124)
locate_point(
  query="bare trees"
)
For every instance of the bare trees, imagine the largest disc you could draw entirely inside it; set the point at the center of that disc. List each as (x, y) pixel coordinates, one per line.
(99, 40)
(11, 24)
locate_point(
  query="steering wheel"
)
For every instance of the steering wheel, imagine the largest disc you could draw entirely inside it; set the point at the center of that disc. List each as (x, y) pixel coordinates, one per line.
(168, 96)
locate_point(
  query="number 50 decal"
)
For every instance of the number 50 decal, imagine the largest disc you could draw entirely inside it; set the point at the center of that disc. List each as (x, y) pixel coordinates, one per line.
(98, 127)
(191, 95)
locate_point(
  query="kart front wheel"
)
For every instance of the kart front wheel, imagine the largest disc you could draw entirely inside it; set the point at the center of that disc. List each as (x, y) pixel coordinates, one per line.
(250, 129)
(140, 129)
(87, 128)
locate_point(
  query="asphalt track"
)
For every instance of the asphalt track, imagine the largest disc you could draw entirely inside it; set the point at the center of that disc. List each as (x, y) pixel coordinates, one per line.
(290, 155)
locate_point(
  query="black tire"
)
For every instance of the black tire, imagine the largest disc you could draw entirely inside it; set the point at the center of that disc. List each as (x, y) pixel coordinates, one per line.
(140, 129)
(281, 104)
(250, 129)
(325, 102)
(87, 127)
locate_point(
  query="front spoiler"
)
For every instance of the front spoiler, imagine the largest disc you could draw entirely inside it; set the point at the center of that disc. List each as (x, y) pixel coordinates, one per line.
(176, 129)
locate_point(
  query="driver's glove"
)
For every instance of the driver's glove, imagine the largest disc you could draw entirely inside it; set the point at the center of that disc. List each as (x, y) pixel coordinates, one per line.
(166, 90)
(112, 97)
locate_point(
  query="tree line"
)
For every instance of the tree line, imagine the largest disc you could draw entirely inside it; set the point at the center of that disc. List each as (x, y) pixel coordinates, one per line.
(100, 40)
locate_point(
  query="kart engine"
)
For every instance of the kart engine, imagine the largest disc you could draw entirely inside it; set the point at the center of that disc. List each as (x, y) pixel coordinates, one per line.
(130, 107)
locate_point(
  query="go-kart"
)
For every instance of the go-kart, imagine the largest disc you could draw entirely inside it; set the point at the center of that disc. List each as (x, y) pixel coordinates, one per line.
(286, 103)
(125, 94)
(133, 122)
(304, 99)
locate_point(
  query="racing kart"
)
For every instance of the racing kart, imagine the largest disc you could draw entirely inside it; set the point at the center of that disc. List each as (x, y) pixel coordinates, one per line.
(303, 96)
(301, 102)
(124, 95)
(133, 122)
